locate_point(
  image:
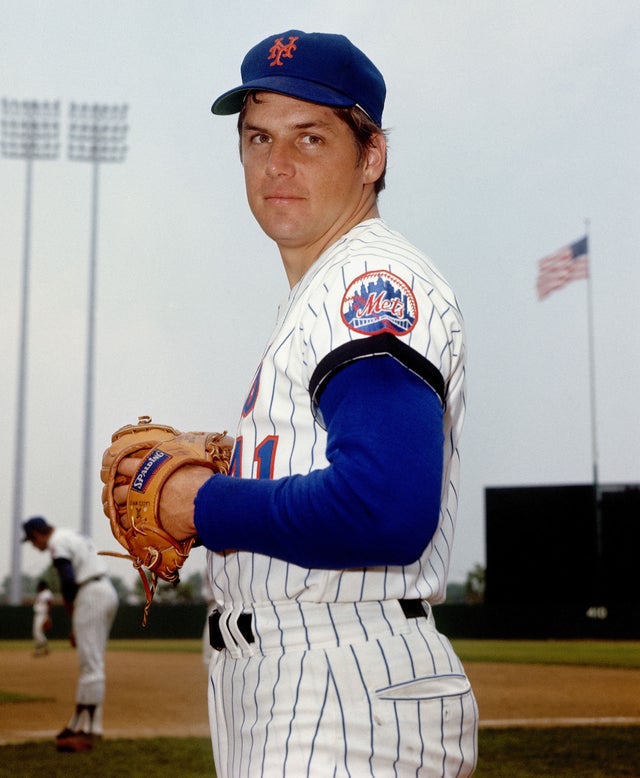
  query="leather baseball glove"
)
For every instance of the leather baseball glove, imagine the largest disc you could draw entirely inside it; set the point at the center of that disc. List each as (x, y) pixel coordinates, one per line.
(136, 525)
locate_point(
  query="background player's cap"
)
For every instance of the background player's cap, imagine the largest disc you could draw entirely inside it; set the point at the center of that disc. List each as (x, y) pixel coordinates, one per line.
(318, 67)
(35, 524)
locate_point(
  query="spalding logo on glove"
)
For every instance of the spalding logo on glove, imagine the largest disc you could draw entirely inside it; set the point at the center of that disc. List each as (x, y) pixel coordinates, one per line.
(136, 524)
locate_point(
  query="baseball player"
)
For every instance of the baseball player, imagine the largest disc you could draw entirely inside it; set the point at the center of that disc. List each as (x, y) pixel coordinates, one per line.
(91, 600)
(331, 535)
(41, 618)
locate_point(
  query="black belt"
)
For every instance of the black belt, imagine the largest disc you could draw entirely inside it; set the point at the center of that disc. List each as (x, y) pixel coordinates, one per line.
(412, 609)
(215, 635)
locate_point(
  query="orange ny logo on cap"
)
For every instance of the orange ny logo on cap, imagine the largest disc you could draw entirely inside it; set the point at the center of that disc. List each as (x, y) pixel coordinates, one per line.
(279, 50)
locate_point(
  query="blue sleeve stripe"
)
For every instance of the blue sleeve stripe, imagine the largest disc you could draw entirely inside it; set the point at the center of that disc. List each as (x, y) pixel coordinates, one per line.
(384, 344)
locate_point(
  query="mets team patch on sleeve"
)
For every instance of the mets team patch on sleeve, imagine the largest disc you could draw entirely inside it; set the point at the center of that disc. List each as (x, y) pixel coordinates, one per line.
(378, 301)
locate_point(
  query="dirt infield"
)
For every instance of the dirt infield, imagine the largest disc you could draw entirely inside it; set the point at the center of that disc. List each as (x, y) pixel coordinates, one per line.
(146, 699)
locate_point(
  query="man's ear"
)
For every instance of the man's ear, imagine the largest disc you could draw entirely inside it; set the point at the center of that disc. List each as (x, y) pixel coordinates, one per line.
(375, 158)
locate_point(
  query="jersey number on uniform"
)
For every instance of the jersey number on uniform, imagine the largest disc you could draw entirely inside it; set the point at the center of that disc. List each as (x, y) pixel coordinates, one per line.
(263, 456)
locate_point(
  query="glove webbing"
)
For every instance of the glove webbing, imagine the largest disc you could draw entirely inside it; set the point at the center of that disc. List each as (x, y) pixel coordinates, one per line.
(149, 584)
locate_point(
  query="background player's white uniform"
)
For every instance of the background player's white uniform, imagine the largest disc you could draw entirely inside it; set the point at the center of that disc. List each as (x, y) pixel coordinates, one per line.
(94, 610)
(333, 653)
(41, 613)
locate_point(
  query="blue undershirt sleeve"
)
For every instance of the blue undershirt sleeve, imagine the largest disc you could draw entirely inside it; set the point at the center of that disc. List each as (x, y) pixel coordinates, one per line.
(68, 585)
(375, 504)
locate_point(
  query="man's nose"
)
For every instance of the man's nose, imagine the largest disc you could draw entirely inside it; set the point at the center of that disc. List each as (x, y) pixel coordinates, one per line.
(281, 160)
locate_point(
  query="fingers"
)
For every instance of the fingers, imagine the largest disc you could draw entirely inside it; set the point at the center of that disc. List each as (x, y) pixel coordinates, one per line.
(127, 468)
(120, 494)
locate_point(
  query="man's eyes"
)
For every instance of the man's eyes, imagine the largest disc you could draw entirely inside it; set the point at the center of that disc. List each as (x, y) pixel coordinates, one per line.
(308, 139)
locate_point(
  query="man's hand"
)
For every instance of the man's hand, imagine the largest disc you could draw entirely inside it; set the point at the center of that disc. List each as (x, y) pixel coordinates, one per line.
(176, 499)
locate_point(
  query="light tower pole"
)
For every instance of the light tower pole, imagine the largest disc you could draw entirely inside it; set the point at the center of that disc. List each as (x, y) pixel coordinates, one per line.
(97, 134)
(30, 131)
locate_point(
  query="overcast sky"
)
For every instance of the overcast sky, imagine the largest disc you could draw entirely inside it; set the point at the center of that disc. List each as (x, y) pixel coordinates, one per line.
(511, 123)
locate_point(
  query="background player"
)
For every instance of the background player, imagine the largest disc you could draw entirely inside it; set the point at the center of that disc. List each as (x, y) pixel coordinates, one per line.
(334, 532)
(91, 600)
(42, 619)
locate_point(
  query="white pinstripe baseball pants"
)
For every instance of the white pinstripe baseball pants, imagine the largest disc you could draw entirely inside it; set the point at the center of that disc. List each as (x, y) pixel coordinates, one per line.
(350, 689)
(93, 615)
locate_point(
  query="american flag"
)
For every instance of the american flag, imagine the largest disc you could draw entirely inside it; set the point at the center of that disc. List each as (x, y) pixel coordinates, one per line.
(566, 264)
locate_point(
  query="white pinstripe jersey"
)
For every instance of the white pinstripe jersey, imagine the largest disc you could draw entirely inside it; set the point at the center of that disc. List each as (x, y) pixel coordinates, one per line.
(79, 550)
(371, 281)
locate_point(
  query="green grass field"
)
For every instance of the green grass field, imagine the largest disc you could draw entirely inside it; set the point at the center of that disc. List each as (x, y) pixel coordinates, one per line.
(599, 653)
(578, 752)
(585, 752)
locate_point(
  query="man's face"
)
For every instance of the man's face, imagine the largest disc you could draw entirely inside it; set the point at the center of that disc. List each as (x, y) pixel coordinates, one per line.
(304, 184)
(39, 540)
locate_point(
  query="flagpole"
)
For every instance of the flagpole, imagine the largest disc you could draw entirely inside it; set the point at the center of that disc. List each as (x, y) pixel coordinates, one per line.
(594, 432)
(592, 371)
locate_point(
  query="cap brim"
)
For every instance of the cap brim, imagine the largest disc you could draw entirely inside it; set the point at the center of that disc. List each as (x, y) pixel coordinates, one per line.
(231, 102)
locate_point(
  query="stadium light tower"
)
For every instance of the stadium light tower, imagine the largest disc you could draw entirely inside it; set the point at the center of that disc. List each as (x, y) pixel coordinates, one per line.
(30, 131)
(97, 134)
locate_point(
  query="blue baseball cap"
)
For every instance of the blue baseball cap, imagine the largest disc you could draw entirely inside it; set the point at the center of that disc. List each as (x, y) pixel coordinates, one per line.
(32, 525)
(315, 66)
